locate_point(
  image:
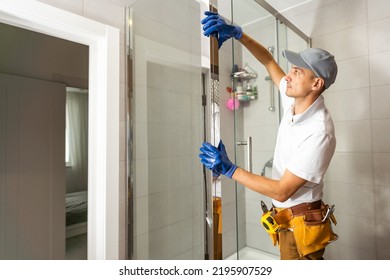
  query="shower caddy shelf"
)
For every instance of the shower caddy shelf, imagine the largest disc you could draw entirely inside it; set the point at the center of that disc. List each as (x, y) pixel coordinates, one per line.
(244, 86)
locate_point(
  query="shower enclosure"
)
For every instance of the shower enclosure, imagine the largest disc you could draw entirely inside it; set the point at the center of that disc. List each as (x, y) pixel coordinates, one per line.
(178, 88)
(166, 193)
(249, 131)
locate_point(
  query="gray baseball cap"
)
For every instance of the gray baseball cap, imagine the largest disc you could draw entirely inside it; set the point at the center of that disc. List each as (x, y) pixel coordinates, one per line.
(319, 61)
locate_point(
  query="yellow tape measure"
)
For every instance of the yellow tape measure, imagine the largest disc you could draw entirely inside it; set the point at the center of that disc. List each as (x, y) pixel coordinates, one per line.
(268, 222)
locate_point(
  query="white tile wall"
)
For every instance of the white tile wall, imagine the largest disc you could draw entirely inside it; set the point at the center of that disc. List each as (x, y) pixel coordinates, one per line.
(358, 34)
(380, 139)
(351, 138)
(356, 37)
(378, 68)
(349, 105)
(380, 102)
(381, 169)
(377, 9)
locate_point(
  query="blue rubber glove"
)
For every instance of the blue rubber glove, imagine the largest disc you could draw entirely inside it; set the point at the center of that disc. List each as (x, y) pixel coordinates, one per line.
(215, 25)
(216, 159)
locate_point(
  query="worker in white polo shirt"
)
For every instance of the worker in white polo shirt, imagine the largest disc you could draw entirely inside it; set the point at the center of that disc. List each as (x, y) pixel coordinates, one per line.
(299, 221)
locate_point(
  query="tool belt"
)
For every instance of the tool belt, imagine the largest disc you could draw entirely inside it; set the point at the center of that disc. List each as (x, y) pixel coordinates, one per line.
(284, 215)
(309, 223)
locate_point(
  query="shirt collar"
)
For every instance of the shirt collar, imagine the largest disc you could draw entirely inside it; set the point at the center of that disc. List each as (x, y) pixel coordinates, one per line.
(317, 105)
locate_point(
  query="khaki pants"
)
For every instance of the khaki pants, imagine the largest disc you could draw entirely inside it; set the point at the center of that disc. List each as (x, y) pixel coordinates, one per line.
(289, 251)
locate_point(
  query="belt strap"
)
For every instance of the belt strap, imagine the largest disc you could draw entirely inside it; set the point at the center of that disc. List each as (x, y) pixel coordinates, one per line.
(284, 215)
(303, 207)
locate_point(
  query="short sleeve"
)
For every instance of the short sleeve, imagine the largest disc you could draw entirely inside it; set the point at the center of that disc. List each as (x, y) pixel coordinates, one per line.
(312, 158)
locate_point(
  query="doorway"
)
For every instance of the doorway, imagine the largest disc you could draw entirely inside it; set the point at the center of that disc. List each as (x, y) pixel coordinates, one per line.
(103, 42)
(39, 60)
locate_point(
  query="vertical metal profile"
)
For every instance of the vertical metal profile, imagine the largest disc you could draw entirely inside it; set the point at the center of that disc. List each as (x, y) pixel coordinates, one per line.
(247, 143)
(249, 155)
(129, 134)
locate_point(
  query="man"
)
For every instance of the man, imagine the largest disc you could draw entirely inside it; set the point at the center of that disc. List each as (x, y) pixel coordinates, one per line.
(304, 148)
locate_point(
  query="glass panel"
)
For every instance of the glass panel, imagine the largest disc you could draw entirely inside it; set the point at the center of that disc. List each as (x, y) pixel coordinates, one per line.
(256, 115)
(166, 194)
(259, 120)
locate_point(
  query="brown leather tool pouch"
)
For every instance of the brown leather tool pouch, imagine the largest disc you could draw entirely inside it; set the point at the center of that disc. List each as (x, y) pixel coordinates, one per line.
(311, 232)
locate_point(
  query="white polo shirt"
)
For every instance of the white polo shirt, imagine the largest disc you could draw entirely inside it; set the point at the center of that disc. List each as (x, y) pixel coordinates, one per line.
(305, 146)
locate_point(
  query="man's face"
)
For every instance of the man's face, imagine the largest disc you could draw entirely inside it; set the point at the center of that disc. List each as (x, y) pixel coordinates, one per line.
(300, 82)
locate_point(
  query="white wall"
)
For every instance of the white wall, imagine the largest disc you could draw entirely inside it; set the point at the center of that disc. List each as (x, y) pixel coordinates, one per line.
(32, 174)
(35, 55)
(357, 33)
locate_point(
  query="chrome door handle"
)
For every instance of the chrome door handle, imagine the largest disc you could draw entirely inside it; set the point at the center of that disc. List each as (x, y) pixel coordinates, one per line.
(248, 143)
(272, 94)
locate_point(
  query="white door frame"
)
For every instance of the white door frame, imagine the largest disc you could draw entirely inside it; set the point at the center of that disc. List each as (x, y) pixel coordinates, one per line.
(103, 143)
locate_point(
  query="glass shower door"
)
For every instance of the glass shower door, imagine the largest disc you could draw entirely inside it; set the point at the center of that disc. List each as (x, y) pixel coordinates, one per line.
(258, 124)
(250, 129)
(166, 191)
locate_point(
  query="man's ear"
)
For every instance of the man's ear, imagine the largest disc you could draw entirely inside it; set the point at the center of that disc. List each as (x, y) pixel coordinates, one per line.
(318, 84)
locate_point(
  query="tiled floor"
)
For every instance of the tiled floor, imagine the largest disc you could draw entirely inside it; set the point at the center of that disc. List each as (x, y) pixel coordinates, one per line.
(76, 247)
